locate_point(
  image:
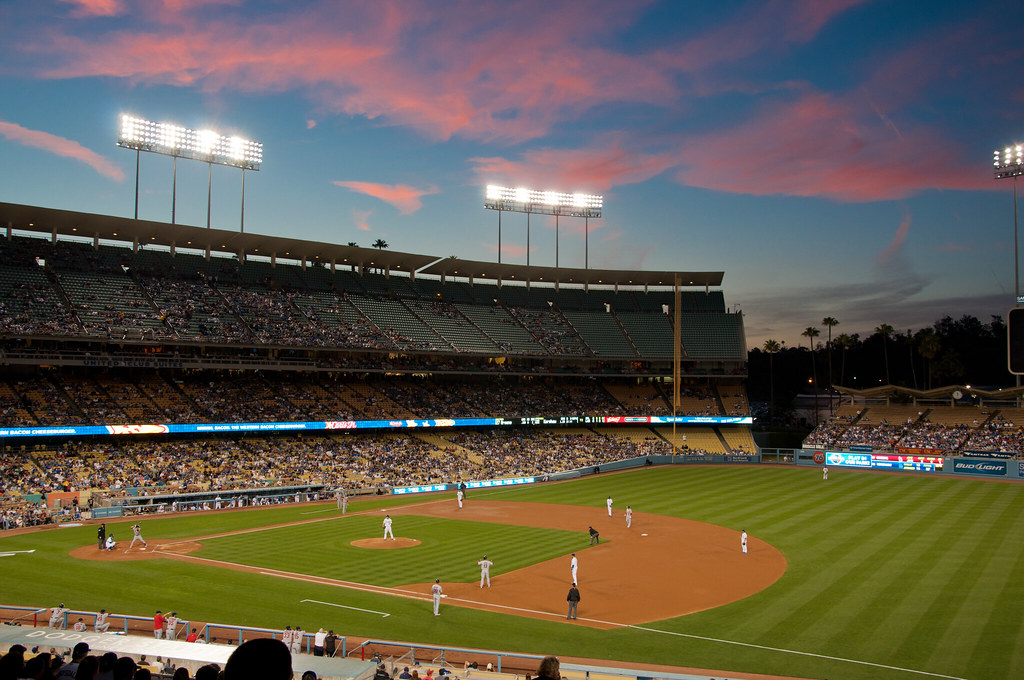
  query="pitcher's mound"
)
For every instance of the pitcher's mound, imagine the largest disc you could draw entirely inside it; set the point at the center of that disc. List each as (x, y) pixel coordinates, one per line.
(385, 543)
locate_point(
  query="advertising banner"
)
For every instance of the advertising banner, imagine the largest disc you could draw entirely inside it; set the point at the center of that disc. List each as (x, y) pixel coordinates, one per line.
(979, 467)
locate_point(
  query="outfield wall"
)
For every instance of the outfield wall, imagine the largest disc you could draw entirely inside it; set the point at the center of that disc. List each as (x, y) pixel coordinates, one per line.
(989, 468)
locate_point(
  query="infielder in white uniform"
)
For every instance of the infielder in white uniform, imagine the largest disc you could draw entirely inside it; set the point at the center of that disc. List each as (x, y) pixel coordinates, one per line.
(629, 517)
(57, 616)
(137, 536)
(436, 590)
(387, 527)
(102, 624)
(572, 567)
(459, 495)
(743, 541)
(485, 571)
(609, 502)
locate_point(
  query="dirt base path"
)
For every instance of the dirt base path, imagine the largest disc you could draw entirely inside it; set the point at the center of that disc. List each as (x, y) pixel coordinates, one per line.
(661, 568)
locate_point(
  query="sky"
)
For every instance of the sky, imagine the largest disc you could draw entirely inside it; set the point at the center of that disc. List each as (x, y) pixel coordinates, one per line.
(832, 157)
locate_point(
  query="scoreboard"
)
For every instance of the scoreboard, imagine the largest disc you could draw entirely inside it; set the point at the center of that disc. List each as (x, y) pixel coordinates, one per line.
(884, 461)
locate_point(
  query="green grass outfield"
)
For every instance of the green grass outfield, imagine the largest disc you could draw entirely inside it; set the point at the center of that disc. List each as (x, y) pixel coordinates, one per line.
(917, 573)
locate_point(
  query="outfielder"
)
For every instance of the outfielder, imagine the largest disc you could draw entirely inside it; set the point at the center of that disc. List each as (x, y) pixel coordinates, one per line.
(387, 527)
(436, 590)
(824, 473)
(485, 571)
(629, 517)
(609, 503)
(137, 536)
(573, 564)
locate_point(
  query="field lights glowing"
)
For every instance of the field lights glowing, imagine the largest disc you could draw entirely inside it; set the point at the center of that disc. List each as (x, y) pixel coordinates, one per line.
(201, 145)
(518, 198)
(1009, 162)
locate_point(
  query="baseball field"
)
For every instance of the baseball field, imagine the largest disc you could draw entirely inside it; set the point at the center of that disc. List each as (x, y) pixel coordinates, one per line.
(865, 575)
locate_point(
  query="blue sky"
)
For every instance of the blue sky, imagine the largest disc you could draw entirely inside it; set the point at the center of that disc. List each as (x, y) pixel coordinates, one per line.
(832, 158)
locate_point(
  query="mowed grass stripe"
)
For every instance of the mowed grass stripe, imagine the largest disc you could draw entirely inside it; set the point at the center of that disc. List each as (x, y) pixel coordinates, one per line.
(449, 549)
(905, 582)
(970, 598)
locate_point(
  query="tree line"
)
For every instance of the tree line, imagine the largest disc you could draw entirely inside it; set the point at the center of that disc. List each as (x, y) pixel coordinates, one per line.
(952, 351)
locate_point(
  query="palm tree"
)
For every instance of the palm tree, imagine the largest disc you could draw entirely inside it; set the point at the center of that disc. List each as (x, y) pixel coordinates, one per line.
(929, 346)
(771, 347)
(381, 244)
(885, 330)
(829, 322)
(811, 333)
(353, 244)
(844, 341)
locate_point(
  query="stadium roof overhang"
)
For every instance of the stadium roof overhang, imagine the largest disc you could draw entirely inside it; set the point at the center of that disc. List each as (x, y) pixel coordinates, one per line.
(946, 392)
(67, 223)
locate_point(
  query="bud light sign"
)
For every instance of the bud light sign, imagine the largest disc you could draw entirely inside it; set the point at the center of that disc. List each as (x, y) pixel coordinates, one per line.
(974, 466)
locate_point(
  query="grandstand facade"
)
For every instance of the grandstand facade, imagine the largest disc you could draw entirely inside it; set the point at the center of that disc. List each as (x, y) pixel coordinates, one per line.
(109, 321)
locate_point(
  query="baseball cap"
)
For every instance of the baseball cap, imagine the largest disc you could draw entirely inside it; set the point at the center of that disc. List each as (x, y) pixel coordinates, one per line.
(81, 649)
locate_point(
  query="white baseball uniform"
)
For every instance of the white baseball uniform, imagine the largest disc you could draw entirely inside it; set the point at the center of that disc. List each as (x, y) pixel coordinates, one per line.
(572, 567)
(436, 590)
(459, 495)
(485, 571)
(629, 517)
(387, 528)
(743, 542)
(137, 536)
(170, 632)
(824, 473)
(57, 617)
(609, 506)
(102, 624)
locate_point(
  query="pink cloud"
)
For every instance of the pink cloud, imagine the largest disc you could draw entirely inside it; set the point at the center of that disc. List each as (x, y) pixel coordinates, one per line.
(361, 217)
(405, 198)
(898, 239)
(606, 164)
(96, 8)
(310, 124)
(61, 147)
(820, 145)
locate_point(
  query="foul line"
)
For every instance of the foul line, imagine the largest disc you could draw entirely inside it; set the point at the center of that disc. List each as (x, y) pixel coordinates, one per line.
(793, 651)
(342, 606)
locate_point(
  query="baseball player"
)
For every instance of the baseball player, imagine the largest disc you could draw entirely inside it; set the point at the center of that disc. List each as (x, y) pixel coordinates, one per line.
(387, 527)
(459, 495)
(111, 543)
(57, 616)
(79, 626)
(573, 564)
(286, 637)
(436, 591)
(344, 502)
(297, 638)
(485, 571)
(158, 624)
(171, 627)
(137, 536)
(743, 541)
(629, 517)
(609, 503)
(102, 623)
(824, 472)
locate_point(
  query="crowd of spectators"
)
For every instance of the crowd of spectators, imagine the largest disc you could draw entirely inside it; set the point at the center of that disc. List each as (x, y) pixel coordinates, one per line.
(988, 435)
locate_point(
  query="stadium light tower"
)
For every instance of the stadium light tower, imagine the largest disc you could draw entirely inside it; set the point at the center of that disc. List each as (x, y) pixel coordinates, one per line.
(206, 146)
(555, 203)
(1010, 163)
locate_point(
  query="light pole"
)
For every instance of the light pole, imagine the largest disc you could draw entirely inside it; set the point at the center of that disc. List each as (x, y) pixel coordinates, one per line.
(206, 146)
(545, 203)
(1010, 163)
